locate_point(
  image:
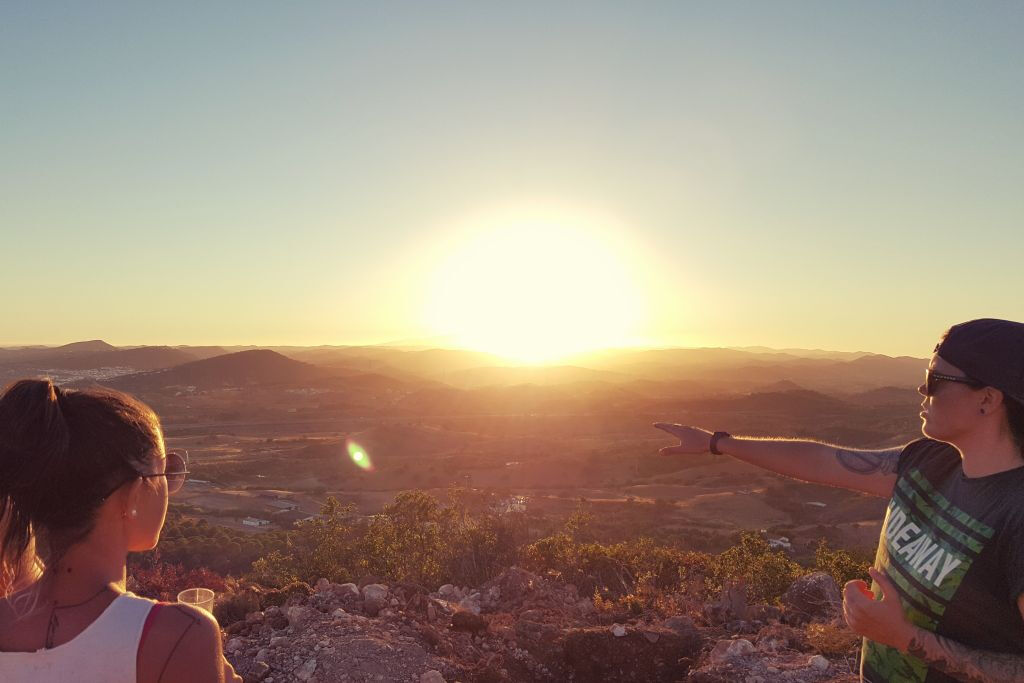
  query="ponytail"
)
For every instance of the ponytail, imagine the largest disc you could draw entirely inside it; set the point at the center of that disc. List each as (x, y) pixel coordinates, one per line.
(60, 454)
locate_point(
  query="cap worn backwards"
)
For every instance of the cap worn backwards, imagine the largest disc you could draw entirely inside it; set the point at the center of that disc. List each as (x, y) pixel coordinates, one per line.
(989, 350)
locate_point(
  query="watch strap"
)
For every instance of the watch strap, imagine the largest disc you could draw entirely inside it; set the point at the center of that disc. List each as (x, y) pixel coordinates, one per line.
(715, 438)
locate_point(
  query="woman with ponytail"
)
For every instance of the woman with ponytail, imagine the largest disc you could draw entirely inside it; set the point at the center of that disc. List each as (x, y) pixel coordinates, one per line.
(84, 480)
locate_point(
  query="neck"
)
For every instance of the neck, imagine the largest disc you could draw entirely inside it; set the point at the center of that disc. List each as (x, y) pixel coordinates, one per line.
(84, 569)
(985, 453)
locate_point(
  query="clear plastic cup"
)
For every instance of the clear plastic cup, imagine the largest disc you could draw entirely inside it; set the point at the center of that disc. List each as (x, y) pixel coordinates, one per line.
(200, 597)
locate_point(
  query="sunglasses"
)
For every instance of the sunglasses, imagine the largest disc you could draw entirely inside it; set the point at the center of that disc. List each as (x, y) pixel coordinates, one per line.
(931, 379)
(176, 471)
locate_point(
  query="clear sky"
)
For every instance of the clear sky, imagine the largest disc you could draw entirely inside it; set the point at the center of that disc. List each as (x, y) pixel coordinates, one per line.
(832, 175)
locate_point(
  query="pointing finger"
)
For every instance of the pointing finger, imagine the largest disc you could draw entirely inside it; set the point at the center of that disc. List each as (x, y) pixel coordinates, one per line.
(673, 429)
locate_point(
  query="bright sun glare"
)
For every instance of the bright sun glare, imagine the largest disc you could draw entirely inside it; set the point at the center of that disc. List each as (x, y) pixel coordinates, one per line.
(536, 288)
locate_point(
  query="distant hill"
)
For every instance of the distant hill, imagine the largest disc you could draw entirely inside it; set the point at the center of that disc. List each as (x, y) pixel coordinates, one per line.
(244, 368)
(800, 401)
(37, 354)
(200, 352)
(92, 346)
(142, 358)
(540, 375)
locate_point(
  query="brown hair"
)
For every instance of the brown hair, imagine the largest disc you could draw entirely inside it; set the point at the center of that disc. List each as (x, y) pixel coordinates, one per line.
(61, 454)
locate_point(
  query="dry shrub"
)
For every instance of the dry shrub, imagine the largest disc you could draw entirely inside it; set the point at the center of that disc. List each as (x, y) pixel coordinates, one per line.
(832, 639)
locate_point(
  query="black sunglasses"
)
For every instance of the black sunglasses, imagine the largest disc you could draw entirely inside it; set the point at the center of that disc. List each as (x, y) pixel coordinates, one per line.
(931, 379)
(176, 472)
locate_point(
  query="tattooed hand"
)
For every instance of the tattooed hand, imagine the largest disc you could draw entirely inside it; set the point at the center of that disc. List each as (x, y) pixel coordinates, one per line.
(882, 621)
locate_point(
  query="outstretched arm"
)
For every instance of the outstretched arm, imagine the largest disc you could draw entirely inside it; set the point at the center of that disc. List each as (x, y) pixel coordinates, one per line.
(869, 471)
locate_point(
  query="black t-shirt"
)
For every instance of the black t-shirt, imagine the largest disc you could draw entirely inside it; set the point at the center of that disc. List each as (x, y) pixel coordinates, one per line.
(954, 547)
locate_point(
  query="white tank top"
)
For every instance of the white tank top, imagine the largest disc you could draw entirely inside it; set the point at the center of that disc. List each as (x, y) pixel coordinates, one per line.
(104, 652)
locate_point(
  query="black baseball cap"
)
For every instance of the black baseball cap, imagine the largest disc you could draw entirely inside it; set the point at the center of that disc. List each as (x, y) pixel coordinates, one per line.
(988, 350)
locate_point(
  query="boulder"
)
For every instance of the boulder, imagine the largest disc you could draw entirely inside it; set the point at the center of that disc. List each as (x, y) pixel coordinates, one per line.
(298, 615)
(814, 597)
(725, 650)
(375, 591)
(347, 589)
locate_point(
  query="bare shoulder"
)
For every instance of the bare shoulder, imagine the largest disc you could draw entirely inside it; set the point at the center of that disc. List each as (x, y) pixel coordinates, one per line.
(183, 644)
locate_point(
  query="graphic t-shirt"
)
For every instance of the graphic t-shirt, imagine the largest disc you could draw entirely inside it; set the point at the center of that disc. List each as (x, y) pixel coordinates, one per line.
(954, 547)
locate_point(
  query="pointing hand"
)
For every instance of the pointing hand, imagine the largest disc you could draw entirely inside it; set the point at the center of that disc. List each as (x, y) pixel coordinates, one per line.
(692, 440)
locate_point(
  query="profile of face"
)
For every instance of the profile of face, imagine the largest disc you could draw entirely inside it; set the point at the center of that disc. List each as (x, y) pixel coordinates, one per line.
(140, 507)
(954, 408)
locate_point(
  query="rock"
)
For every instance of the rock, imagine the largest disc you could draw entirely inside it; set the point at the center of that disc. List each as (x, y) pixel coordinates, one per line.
(446, 591)
(586, 607)
(298, 615)
(618, 630)
(348, 589)
(681, 624)
(777, 637)
(432, 676)
(262, 655)
(373, 606)
(818, 663)
(431, 611)
(468, 621)
(375, 591)
(235, 645)
(322, 585)
(651, 636)
(278, 641)
(814, 597)
(470, 605)
(339, 613)
(731, 605)
(725, 650)
(764, 613)
(305, 672)
(258, 672)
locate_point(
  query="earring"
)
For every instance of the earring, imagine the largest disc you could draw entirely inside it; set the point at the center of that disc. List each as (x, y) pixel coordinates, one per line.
(135, 513)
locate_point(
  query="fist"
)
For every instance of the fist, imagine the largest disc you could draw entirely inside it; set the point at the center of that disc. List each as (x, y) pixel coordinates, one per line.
(692, 440)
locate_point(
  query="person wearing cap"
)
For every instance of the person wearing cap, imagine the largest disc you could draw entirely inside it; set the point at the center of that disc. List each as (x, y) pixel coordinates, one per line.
(947, 598)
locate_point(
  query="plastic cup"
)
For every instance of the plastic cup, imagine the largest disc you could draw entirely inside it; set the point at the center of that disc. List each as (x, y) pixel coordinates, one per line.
(200, 597)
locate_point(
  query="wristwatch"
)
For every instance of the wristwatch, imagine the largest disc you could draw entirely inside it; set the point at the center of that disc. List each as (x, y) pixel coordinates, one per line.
(714, 442)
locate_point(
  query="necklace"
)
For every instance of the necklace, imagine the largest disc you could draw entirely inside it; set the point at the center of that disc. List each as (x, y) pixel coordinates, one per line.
(54, 622)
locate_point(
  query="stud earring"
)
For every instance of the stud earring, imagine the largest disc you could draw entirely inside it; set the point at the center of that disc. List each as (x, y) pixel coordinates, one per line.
(135, 513)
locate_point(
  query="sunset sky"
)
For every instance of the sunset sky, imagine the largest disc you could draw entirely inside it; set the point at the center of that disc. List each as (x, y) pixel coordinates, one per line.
(530, 178)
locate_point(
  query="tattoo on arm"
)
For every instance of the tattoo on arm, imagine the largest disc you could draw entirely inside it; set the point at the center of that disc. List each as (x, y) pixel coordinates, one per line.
(966, 663)
(869, 462)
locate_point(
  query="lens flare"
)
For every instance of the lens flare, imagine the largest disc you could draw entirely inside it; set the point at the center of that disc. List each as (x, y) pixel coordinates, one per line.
(358, 455)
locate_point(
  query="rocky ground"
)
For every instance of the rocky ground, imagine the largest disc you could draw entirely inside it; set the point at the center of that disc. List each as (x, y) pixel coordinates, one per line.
(523, 627)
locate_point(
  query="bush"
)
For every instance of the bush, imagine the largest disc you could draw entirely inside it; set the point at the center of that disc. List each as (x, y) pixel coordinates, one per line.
(840, 564)
(766, 573)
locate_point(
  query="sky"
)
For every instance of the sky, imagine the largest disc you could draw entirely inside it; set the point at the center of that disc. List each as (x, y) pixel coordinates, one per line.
(527, 175)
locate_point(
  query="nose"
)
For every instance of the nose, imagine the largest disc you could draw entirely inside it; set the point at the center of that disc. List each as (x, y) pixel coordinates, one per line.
(923, 390)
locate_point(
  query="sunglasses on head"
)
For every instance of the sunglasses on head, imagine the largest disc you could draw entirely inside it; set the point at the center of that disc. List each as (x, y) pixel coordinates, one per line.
(931, 379)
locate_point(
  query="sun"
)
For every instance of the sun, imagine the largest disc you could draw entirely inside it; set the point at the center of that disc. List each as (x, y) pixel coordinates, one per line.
(536, 287)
